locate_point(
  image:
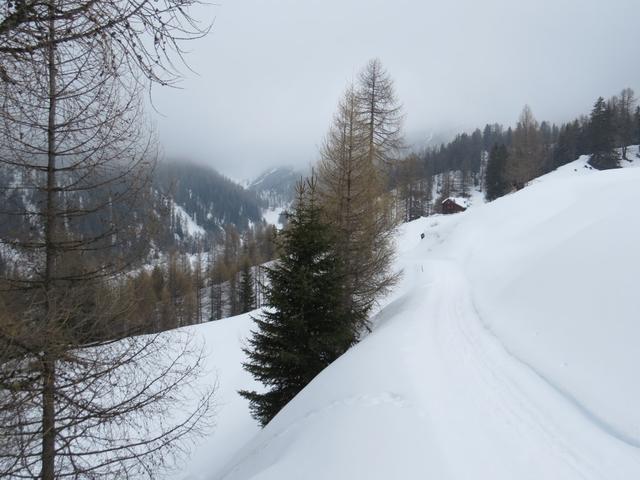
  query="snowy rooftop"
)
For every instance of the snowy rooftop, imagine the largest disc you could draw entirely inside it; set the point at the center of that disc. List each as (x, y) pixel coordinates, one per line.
(460, 201)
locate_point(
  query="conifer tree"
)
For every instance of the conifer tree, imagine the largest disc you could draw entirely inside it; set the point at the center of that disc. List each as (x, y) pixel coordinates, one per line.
(157, 281)
(625, 123)
(565, 150)
(217, 301)
(217, 275)
(496, 185)
(380, 114)
(247, 298)
(306, 325)
(351, 189)
(412, 188)
(198, 285)
(603, 155)
(526, 156)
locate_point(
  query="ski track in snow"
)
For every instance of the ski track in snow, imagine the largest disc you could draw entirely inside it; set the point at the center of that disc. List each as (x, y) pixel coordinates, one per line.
(499, 386)
(469, 352)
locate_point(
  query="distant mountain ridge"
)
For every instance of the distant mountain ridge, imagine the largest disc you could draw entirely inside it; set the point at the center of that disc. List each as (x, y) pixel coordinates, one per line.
(188, 204)
(209, 198)
(276, 186)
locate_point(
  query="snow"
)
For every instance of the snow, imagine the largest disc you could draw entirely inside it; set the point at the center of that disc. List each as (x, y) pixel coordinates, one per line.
(189, 225)
(272, 216)
(262, 178)
(509, 350)
(224, 340)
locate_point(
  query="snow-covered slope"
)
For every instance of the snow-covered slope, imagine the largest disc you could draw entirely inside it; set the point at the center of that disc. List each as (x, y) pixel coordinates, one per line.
(508, 351)
(276, 186)
(273, 216)
(188, 224)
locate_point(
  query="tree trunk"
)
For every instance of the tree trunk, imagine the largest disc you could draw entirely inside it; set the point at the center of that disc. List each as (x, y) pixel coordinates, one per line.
(48, 417)
(48, 364)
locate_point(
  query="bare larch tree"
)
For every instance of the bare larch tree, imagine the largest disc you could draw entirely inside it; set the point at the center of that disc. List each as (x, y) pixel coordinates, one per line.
(380, 113)
(352, 187)
(82, 395)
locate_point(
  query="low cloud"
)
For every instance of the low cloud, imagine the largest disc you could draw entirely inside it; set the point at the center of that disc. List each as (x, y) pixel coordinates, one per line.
(271, 73)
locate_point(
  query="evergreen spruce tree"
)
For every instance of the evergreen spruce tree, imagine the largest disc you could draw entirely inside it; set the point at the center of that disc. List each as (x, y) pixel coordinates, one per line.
(496, 184)
(603, 155)
(247, 298)
(565, 149)
(306, 326)
(217, 275)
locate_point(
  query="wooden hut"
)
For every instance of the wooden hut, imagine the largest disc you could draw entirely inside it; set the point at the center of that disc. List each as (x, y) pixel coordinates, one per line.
(454, 205)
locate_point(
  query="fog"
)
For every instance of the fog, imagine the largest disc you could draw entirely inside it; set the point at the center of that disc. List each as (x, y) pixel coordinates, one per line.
(266, 81)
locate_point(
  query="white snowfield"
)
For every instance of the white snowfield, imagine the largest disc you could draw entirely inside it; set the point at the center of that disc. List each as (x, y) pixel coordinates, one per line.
(510, 350)
(272, 216)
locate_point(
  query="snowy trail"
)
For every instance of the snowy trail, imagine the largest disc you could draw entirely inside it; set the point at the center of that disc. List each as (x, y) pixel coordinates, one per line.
(528, 429)
(442, 399)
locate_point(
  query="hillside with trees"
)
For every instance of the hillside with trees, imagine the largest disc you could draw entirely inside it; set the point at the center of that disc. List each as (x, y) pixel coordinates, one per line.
(497, 160)
(210, 199)
(276, 186)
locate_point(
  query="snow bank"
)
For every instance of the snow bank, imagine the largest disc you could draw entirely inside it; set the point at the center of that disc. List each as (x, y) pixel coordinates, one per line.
(224, 340)
(555, 273)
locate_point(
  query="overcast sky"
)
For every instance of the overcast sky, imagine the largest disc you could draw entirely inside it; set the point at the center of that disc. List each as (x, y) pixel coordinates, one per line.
(270, 74)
